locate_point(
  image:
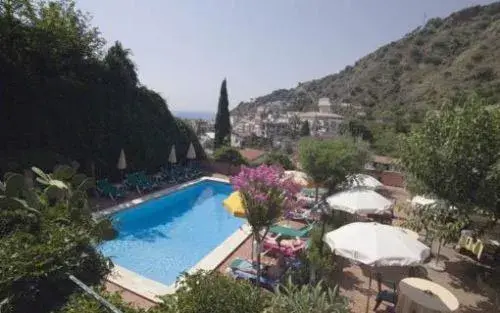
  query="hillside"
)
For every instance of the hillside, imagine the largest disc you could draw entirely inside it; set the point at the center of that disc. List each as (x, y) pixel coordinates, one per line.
(399, 81)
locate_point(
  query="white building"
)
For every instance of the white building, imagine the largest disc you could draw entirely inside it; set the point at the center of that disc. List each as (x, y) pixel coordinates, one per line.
(328, 122)
(236, 140)
(324, 105)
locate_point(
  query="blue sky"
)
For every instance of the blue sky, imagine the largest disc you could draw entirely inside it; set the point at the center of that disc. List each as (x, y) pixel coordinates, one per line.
(184, 48)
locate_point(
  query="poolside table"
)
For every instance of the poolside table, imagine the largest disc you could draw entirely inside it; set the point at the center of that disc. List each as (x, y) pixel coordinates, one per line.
(417, 295)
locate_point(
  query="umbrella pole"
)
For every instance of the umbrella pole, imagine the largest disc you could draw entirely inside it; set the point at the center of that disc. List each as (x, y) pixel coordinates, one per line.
(369, 290)
(253, 240)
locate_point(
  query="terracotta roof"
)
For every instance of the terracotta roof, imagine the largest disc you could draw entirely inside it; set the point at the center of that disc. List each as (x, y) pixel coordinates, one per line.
(382, 159)
(252, 154)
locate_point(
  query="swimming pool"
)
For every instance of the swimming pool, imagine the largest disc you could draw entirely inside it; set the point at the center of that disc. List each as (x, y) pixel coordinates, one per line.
(163, 237)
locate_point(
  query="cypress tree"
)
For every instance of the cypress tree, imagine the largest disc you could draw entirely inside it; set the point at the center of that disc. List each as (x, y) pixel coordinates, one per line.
(304, 129)
(222, 123)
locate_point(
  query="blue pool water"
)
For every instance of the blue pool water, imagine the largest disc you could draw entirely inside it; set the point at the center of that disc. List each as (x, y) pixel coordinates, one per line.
(163, 237)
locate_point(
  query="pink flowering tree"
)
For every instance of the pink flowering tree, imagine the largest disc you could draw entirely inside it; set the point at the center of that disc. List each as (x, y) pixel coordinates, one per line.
(266, 195)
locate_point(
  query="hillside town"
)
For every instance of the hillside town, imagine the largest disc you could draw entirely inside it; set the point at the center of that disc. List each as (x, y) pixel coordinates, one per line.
(275, 124)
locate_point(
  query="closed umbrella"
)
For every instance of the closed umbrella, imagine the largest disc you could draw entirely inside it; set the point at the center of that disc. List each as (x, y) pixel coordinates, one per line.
(191, 153)
(363, 181)
(234, 204)
(421, 201)
(359, 201)
(172, 158)
(122, 163)
(376, 244)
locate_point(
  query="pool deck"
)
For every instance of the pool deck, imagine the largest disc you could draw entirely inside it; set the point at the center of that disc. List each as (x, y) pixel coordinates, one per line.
(151, 290)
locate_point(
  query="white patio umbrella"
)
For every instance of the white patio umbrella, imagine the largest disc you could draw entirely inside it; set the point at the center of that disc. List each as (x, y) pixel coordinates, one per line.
(359, 201)
(172, 158)
(376, 244)
(191, 153)
(122, 161)
(298, 177)
(364, 181)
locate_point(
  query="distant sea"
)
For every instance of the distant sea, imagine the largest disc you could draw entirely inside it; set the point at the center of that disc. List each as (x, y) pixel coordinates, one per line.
(194, 114)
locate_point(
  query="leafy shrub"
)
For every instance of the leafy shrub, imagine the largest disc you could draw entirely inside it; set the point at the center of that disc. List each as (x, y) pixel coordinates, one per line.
(393, 61)
(307, 298)
(477, 57)
(482, 25)
(316, 262)
(84, 303)
(207, 292)
(229, 155)
(49, 233)
(434, 22)
(440, 45)
(419, 41)
(435, 60)
(281, 159)
(484, 74)
(416, 54)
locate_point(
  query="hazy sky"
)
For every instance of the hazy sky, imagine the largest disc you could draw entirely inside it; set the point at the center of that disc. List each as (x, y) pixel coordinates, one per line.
(184, 48)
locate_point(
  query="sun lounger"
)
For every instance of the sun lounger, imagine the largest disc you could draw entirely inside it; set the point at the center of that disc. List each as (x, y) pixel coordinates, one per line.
(291, 232)
(244, 269)
(140, 182)
(108, 190)
(273, 246)
(244, 265)
(299, 215)
(265, 282)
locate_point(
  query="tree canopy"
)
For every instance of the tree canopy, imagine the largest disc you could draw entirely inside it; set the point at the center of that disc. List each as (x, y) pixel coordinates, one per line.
(229, 155)
(64, 97)
(281, 159)
(455, 155)
(330, 162)
(304, 129)
(222, 122)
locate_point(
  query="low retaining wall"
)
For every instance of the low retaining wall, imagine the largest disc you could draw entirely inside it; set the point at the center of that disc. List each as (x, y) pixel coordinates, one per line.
(221, 168)
(394, 179)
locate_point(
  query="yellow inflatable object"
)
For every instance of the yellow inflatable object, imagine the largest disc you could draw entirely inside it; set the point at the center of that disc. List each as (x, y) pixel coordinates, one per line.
(234, 204)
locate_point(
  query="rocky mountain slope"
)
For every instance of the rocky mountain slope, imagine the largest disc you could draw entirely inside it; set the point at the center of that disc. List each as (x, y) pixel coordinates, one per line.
(402, 79)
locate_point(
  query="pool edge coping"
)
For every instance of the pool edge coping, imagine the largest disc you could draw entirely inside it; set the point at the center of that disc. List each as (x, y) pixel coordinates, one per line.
(151, 289)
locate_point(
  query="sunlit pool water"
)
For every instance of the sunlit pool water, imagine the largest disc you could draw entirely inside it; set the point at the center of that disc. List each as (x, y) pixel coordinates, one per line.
(161, 238)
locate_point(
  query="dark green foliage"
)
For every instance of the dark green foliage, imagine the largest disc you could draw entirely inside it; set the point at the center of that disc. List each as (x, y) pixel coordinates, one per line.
(435, 60)
(304, 129)
(356, 128)
(84, 303)
(281, 159)
(329, 162)
(308, 298)
(229, 155)
(207, 292)
(61, 94)
(50, 235)
(222, 122)
(455, 155)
